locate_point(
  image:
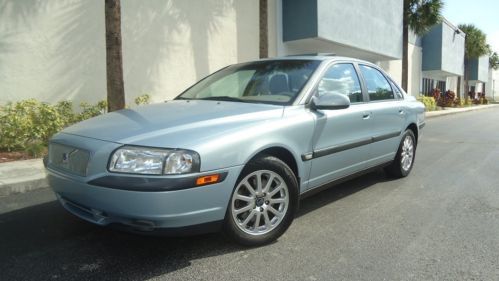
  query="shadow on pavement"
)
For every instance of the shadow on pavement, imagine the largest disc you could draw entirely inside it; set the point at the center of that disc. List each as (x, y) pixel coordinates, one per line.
(45, 242)
(336, 192)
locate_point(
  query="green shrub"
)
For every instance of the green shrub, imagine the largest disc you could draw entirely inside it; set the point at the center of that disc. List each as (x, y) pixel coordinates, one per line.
(66, 111)
(28, 125)
(468, 101)
(91, 110)
(144, 99)
(459, 102)
(36, 149)
(484, 100)
(429, 102)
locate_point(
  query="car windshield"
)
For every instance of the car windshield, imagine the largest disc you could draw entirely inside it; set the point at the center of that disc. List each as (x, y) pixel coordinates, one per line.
(272, 82)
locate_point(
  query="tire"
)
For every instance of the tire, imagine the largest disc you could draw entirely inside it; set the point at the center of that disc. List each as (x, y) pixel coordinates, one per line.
(257, 216)
(406, 153)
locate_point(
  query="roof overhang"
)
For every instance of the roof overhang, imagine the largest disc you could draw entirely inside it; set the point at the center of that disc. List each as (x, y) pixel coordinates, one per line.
(320, 45)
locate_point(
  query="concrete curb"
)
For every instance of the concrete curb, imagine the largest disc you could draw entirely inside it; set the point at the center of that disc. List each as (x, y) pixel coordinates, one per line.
(22, 176)
(449, 111)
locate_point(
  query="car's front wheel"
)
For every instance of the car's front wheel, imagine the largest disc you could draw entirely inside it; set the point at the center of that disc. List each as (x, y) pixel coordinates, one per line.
(263, 202)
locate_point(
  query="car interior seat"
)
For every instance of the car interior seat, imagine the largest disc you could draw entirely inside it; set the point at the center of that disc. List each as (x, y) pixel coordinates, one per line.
(278, 84)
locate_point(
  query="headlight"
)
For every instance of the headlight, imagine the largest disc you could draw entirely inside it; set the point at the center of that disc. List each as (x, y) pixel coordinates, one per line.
(153, 161)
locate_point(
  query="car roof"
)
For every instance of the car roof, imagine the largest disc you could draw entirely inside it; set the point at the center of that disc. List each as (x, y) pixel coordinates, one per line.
(318, 57)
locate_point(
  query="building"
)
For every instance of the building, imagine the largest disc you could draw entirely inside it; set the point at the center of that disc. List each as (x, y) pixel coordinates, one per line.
(479, 74)
(443, 58)
(492, 91)
(331, 25)
(55, 50)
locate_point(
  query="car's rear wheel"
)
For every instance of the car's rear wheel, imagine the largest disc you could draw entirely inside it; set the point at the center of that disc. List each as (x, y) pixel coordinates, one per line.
(263, 202)
(402, 165)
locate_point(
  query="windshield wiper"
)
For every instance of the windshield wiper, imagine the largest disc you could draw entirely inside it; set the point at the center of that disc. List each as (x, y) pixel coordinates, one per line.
(222, 98)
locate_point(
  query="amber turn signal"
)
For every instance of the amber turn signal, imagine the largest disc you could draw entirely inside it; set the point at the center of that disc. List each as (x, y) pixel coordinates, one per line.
(208, 179)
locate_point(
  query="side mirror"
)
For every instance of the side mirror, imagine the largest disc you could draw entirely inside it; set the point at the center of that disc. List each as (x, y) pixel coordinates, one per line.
(330, 101)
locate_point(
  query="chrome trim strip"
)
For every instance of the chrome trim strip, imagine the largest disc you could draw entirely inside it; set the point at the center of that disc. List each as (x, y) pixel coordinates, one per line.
(342, 147)
(307, 156)
(339, 148)
(386, 136)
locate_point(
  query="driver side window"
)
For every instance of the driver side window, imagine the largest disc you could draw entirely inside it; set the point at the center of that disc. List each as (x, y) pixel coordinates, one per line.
(341, 79)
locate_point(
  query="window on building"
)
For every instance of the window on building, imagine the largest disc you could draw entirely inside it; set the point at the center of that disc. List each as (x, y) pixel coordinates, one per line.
(377, 85)
(442, 86)
(427, 87)
(341, 78)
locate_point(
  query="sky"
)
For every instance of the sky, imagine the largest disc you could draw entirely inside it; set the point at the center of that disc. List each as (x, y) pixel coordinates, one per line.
(484, 14)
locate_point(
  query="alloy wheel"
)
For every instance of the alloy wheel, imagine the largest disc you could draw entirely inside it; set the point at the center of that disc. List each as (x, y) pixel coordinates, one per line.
(407, 153)
(260, 202)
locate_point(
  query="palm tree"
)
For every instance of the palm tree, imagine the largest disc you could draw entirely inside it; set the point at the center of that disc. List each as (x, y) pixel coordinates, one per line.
(420, 16)
(475, 46)
(114, 59)
(493, 60)
(264, 44)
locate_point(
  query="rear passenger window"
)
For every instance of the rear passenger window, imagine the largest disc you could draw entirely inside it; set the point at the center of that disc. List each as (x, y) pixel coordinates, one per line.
(342, 79)
(377, 85)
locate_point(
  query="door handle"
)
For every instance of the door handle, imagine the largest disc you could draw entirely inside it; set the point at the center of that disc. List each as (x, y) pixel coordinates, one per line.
(401, 111)
(366, 116)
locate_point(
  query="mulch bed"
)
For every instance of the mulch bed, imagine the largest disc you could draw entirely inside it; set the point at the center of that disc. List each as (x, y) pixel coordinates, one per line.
(13, 156)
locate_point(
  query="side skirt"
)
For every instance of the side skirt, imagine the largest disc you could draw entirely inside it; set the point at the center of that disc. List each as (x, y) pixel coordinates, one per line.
(330, 184)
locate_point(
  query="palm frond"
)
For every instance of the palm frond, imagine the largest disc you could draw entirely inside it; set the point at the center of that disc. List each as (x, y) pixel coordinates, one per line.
(475, 42)
(423, 14)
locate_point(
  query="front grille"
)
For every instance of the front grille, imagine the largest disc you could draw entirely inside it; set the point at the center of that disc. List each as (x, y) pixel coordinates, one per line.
(69, 159)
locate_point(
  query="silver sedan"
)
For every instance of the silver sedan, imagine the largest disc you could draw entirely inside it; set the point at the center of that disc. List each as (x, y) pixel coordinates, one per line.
(237, 150)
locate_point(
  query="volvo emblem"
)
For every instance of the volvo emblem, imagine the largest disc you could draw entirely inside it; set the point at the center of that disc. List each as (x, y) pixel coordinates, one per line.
(65, 158)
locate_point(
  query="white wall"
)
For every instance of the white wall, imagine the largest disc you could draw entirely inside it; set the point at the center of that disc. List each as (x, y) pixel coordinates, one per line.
(394, 69)
(415, 64)
(492, 87)
(452, 56)
(55, 50)
(451, 83)
(52, 50)
(371, 25)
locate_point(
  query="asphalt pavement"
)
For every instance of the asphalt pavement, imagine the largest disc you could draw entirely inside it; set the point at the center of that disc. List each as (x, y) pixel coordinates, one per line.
(440, 223)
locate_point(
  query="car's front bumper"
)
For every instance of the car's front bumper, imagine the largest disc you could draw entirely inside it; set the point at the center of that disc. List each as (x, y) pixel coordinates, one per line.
(145, 210)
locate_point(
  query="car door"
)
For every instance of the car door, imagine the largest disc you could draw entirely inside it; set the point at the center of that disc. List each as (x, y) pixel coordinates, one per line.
(388, 115)
(341, 139)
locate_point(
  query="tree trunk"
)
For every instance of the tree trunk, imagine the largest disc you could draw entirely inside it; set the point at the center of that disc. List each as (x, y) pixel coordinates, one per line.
(458, 90)
(264, 41)
(405, 48)
(114, 60)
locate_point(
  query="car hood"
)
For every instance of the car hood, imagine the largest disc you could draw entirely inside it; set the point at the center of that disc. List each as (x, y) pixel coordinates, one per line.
(174, 123)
